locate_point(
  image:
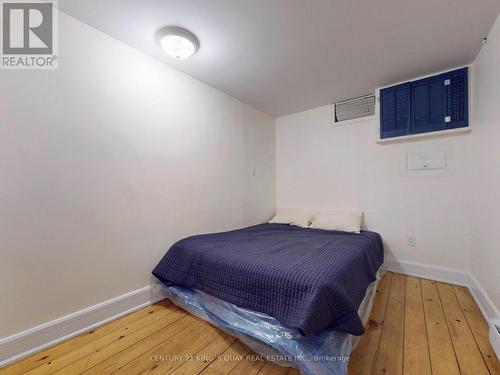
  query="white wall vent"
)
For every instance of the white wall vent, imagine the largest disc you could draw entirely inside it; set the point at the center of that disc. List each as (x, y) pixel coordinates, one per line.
(351, 109)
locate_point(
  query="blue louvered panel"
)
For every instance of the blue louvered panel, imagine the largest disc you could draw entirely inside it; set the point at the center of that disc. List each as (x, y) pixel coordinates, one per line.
(395, 111)
(402, 108)
(457, 102)
(437, 102)
(420, 106)
(429, 103)
(426, 105)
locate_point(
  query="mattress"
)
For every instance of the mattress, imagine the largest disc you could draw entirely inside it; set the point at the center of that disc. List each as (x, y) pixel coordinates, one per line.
(307, 279)
(323, 353)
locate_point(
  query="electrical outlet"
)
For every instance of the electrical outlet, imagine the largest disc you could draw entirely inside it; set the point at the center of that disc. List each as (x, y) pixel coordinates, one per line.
(412, 241)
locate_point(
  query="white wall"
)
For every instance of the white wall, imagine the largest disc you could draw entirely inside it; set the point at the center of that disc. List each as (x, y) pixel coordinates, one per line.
(106, 162)
(321, 167)
(485, 167)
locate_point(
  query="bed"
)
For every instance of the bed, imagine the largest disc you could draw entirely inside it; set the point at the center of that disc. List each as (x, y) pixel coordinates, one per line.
(271, 283)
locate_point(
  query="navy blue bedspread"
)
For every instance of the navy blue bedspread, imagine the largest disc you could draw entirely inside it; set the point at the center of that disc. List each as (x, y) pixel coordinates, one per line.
(308, 279)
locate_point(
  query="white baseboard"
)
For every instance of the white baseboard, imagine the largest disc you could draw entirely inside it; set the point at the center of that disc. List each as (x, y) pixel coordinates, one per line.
(425, 271)
(35, 339)
(447, 275)
(484, 302)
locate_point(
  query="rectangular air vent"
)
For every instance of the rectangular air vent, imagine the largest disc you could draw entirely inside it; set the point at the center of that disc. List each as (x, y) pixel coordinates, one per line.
(354, 108)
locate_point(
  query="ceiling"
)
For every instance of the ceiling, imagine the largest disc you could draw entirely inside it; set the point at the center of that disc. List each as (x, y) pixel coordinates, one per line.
(285, 56)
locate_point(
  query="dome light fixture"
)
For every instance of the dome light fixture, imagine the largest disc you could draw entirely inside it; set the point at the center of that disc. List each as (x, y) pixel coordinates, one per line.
(177, 42)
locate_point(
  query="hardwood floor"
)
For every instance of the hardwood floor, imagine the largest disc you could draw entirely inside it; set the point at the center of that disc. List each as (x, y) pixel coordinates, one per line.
(416, 327)
(423, 327)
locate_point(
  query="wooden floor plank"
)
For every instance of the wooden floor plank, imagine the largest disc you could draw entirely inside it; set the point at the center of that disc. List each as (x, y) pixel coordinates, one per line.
(470, 360)
(54, 352)
(251, 365)
(442, 354)
(363, 358)
(187, 352)
(228, 360)
(478, 327)
(171, 353)
(101, 354)
(390, 352)
(416, 348)
(116, 362)
(48, 367)
(272, 369)
(205, 356)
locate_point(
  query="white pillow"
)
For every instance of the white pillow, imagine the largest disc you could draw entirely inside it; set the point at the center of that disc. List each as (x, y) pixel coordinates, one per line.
(292, 216)
(338, 220)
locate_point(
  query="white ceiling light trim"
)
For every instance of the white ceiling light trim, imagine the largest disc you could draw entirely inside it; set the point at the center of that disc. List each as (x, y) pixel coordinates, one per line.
(177, 42)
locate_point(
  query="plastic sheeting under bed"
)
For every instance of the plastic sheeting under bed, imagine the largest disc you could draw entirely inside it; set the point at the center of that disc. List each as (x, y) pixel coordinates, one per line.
(326, 352)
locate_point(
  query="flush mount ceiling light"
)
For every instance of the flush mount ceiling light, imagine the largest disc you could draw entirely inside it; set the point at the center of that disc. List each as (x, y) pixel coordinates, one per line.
(177, 42)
